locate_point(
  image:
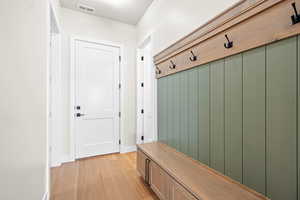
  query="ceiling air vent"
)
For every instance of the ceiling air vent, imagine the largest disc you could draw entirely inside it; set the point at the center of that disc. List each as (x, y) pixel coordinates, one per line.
(85, 8)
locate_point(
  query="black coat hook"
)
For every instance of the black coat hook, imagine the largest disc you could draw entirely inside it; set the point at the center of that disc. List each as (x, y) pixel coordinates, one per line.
(296, 17)
(229, 43)
(193, 58)
(173, 66)
(158, 71)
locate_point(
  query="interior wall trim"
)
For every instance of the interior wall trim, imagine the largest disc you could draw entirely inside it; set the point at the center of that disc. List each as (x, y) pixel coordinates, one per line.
(248, 24)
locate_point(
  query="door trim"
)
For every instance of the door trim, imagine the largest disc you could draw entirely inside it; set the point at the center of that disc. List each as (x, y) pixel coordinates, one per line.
(139, 103)
(73, 39)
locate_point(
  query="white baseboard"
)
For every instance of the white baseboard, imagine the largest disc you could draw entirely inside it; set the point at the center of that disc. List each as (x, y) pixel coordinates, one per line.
(56, 163)
(127, 149)
(46, 196)
(66, 159)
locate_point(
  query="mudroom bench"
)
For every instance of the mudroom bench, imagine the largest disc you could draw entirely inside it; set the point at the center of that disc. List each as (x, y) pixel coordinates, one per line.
(174, 176)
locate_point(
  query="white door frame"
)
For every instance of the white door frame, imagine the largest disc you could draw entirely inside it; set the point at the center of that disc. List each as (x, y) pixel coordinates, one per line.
(55, 111)
(139, 96)
(54, 34)
(54, 74)
(141, 78)
(72, 87)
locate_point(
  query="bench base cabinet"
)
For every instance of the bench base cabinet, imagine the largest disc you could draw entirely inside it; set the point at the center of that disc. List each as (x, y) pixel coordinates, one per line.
(175, 176)
(164, 186)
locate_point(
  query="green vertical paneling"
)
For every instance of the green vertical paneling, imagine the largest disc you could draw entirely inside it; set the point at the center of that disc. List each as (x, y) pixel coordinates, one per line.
(203, 113)
(162, 115)
(165, 103)
(169, 109)
(281, 162)
(239, 115)
(192, 88)
(180, 110)
(171, 86)
(298, 130)
(233, 117)
(183, 112)
(176, 111)
(165, 110)
(254, 133)
(217, 115)
(159, 109)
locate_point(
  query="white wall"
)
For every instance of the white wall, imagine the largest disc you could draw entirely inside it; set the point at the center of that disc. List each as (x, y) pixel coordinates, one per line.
(170, 20)
(23, 102)
(91, 27)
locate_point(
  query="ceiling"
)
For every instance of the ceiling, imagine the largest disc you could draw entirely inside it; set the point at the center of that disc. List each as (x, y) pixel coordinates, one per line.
(127, 11)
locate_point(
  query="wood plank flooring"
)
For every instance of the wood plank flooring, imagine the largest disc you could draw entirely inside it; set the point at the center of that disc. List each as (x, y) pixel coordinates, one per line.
(109, 177)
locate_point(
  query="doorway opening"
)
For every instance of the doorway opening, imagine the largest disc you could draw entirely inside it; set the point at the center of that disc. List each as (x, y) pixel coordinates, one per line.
(146, 94)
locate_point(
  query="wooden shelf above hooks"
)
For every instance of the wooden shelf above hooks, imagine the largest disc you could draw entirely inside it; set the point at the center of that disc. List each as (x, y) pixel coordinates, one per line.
(249, 23)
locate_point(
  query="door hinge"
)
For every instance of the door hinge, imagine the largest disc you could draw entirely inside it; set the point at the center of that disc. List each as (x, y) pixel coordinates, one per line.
(142, 111)
(142, 58)
(142, 84)
(119, 141)
(120, 86)
(119, 114)
(142, 138)
(120, 58)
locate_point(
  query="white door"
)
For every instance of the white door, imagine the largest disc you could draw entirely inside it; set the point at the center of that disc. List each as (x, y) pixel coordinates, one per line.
(96, 99)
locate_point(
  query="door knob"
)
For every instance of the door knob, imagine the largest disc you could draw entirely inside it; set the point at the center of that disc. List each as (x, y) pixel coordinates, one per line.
(77, 107)
(79, 115)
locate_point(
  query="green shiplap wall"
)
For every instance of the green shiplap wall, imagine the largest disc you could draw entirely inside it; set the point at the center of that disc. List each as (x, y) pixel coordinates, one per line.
(170, 106)
(240, 116)
(176, 112)
(234, 117)
(162, 110)
(204, 114)
(254, 119)
(184, 112)
(192, 95)
(217, 114)
(298, 93)
(281, 124)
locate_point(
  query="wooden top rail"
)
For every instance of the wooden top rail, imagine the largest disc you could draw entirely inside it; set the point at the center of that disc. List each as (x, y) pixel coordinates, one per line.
(202, 181)
(248, 24)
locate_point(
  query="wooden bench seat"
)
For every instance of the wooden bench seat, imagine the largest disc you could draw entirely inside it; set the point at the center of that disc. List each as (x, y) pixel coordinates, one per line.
(175, 176)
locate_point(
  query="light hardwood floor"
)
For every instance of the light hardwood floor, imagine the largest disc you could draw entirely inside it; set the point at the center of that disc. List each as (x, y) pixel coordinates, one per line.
(109, 177)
